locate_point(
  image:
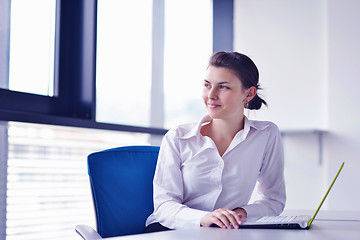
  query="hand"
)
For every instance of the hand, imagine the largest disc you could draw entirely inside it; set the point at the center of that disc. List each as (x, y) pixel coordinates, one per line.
(241, 212)
(224, 218)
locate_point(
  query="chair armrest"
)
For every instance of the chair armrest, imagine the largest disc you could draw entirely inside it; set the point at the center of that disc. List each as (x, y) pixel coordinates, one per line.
(87, 232)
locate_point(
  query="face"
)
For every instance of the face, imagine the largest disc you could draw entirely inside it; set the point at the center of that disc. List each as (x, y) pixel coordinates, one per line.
(223, 94)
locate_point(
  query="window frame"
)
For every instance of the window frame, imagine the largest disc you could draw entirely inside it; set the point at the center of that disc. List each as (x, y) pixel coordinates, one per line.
(74, 101)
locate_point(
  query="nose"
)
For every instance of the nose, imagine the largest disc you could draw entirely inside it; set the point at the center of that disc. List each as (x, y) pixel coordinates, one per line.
(213, 94)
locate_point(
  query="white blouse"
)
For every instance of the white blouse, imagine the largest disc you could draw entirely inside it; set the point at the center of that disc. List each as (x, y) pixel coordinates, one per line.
(192, 179)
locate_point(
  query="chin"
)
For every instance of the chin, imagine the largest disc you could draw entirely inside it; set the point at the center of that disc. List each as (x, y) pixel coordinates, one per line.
(214, 115)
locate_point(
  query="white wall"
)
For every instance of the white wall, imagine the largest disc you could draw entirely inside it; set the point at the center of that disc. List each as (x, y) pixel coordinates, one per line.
(343, 142)
(308, 53)
(286, 39)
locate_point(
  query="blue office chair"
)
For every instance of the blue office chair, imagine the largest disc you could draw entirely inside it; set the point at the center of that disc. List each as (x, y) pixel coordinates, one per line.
(121, 182)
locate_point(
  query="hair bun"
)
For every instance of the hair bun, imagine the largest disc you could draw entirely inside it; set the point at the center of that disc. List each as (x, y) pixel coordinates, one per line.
(256, 103)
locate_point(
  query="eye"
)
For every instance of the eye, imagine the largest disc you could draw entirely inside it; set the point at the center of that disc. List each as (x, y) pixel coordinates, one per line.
(223, 87)
(207, 85)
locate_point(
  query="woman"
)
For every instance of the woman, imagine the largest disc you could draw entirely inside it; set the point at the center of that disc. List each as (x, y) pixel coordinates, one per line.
(206, 172)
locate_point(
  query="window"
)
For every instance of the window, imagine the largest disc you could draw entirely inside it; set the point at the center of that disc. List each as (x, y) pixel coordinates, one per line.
(188, 46)
(32, 46)
(125, 70)
(86, 82)
(123, 66)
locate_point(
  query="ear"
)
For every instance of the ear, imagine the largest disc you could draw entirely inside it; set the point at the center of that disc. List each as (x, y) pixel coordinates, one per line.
(250, 94)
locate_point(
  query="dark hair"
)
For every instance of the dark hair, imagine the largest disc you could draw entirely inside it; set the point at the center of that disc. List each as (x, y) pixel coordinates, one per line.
(244, 68)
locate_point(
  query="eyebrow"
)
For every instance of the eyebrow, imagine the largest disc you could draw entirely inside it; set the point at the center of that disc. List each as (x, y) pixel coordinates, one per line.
(217, 83)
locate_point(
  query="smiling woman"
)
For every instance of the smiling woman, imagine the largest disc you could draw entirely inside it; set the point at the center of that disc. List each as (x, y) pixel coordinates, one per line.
(207, 171)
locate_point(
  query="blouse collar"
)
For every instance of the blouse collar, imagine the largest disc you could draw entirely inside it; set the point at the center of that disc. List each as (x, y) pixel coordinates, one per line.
(195, 131)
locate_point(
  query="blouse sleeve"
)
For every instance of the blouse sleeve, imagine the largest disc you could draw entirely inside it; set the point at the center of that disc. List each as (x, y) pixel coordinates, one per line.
(271, 180)
(168, 189)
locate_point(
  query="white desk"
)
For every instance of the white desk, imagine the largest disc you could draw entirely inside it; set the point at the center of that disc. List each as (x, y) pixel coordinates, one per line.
(348, 229)
(320, 230)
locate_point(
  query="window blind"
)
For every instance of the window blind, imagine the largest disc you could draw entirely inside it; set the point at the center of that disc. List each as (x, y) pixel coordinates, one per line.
(48, 190)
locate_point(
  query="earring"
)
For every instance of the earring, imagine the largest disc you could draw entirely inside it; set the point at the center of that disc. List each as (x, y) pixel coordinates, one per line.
(246, 105)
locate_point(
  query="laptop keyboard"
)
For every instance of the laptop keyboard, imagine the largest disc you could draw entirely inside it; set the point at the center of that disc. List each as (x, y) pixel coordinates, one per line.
(276, 219)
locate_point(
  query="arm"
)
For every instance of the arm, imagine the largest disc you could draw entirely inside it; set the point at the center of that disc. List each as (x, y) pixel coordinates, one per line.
(168, 188)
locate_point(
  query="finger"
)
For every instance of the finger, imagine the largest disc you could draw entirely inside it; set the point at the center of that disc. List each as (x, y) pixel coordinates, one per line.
(218, 222)
(224, 219)
(242, 213)
(239, 218)
(242, 221)
(220, 214)
(227, 218)
(234, 219)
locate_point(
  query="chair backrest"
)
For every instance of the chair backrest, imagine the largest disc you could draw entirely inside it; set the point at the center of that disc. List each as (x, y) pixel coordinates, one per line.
(121, 181)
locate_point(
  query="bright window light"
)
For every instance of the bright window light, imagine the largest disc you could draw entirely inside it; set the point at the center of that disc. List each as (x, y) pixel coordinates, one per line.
(188, 46)
(123, 66)
(32, 46)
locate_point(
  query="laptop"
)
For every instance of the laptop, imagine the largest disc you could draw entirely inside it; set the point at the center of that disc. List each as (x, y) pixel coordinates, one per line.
(288, 222)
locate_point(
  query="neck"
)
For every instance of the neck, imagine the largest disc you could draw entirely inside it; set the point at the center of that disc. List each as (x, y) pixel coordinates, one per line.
(226, 128)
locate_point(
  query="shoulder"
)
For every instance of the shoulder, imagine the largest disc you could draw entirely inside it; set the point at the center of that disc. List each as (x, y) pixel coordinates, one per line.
(172, 141)
(268, 133)
(183, 131)
(264, 125)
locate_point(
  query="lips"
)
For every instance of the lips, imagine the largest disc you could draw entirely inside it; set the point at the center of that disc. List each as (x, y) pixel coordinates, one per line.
(213, 105)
